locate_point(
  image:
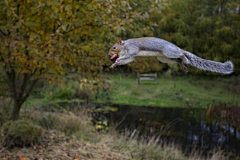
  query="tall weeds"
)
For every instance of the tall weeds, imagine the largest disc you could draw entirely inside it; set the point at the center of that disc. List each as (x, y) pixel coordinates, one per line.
(144, 148)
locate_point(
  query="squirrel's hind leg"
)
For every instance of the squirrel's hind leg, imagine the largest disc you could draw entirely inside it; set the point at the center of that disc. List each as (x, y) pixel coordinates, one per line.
(185, 59)
(180, 62)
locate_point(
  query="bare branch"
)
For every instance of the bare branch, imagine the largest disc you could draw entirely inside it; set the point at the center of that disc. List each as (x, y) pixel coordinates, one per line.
(30, 89)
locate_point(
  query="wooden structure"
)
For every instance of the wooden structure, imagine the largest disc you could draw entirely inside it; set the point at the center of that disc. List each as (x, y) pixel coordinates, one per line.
(147, 77)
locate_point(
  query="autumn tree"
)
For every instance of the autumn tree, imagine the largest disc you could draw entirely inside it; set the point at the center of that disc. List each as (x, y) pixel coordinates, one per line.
(44, 39)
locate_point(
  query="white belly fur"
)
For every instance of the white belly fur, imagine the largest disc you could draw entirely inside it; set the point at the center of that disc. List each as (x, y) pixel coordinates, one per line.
(165, 59)
(160, 56)
(150, 53)
(144, 53)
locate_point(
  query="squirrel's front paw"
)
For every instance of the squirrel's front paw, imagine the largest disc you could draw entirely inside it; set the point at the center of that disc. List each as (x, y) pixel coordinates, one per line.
(117, 62)
(113, 65)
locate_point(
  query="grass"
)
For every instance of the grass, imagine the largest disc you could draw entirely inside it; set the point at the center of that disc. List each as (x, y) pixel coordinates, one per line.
(181, 91)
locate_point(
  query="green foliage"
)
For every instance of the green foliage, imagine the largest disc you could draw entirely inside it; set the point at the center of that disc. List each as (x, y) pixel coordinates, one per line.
(207, 28)
(63, 92)
(69, 89)
(20, 133)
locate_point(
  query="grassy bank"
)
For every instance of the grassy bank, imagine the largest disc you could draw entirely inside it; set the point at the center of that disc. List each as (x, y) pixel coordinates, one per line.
(181, 91)
(70, 135)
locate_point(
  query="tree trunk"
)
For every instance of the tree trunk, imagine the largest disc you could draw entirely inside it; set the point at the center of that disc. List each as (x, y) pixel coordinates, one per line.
(16, 110)
(21, 96)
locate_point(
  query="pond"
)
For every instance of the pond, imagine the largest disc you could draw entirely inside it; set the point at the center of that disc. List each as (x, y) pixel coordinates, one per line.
(188, 127)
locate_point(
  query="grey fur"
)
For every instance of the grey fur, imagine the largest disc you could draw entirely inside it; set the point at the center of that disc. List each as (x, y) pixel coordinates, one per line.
(155, 44)
(167, 53)
(224, 68)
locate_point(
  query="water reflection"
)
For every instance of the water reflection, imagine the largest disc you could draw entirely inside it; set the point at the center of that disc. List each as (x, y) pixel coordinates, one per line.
(186, 126)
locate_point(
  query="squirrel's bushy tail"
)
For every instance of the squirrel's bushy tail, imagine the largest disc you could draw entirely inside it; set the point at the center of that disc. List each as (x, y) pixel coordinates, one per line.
(224, 68)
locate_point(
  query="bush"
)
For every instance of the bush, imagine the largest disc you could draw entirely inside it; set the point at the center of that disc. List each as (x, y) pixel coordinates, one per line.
(20, 133)
(70, 124)
(49, 121)
(70, 90)
(84, 93)
(64, 92)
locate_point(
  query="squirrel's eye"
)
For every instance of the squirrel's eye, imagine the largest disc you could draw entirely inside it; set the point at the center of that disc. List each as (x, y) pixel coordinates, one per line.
(114, 47)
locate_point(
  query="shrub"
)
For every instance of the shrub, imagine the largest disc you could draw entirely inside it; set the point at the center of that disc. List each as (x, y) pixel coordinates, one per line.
(64, 92)
(70, 90)
(20, 133)
(49, 121)
(70, 124)
(84, 93)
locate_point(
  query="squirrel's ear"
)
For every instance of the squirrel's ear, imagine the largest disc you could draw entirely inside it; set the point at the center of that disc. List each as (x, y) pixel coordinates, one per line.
(119, 41)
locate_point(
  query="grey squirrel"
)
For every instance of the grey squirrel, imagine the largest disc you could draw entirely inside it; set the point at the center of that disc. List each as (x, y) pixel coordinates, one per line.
(124, 52)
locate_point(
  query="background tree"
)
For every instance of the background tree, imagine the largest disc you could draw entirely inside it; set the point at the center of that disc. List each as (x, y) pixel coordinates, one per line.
(208, 28)
(44, 39)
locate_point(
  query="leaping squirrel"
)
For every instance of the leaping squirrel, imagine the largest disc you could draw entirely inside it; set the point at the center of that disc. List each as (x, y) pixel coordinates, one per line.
(124, 52)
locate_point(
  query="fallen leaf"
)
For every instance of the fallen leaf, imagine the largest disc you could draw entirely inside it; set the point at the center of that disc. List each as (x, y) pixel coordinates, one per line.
(22, 158)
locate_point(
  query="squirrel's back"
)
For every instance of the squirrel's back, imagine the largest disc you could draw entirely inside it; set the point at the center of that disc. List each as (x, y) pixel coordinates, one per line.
(169, 49)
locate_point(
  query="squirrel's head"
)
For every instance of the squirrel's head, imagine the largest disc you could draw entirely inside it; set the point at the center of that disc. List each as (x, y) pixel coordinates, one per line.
(115, 49)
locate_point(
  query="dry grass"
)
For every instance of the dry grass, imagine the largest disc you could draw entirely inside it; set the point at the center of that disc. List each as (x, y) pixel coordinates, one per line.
(142, 148)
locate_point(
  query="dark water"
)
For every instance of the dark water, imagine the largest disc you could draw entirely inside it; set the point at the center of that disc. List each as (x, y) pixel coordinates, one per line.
(188, 127)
